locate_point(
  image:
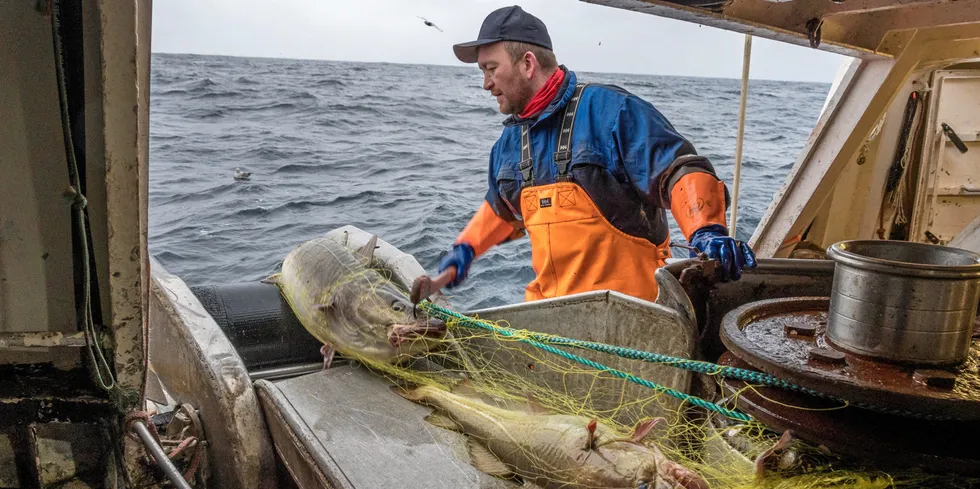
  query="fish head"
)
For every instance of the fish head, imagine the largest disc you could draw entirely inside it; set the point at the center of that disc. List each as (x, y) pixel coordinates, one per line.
(638, 465)
(646, 467)
(383, 318)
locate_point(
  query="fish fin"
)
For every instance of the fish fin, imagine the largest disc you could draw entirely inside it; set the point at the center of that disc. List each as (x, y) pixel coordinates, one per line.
(782, 444)
(485, 461)
(442, 421)
(687, 478)
(367, 251)
(534, 406)
(465, 388)
(409, 393)
(326, 305)
(643, 428)
(590, 439)
(274, 279)
(328, 352)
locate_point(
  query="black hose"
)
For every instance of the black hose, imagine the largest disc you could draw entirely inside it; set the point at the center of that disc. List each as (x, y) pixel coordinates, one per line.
(896, 170)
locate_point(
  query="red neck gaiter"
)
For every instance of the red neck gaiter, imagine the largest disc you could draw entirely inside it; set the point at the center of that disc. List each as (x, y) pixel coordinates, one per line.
(544, 96)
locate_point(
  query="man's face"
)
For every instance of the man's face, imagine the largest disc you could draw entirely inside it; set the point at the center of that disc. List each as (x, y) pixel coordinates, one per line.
(509, 82)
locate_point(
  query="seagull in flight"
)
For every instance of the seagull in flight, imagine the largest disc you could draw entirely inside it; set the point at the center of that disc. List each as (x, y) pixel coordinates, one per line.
(429, 23)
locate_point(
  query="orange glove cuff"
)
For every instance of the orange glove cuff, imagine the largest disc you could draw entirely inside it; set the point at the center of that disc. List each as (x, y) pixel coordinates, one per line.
(485, 230)
(698, 200)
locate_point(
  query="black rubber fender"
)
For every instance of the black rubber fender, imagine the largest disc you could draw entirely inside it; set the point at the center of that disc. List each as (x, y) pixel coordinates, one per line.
(260, 324)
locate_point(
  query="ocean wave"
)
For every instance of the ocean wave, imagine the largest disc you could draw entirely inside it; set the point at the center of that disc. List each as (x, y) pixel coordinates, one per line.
(217, 95)
(266, 107)
(329, 82)
(205, 113)
(396, 150)
(480, 111)
(354, 109)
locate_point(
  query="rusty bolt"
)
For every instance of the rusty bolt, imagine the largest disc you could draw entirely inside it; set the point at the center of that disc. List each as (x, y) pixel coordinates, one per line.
(940, 379)
(827, 356)
(803, 330)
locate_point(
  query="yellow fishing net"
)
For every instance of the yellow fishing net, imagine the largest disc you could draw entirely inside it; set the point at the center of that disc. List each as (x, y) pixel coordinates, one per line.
(505, 368)
(720, 449)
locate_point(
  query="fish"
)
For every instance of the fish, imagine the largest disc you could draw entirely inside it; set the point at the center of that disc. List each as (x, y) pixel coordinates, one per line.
(349, 303)
(551, 451)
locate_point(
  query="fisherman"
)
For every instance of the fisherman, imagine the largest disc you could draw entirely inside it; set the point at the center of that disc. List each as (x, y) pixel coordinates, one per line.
(587, 171)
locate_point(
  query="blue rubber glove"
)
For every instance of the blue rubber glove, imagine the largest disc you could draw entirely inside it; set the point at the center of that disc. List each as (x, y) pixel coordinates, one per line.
(461, 257)
(733, 255)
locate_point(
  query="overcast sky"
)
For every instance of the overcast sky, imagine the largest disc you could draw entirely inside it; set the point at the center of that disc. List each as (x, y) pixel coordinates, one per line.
(389, 30)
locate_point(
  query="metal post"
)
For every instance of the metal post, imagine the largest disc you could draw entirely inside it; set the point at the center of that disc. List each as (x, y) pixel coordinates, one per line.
(157, 453)
(746, 61)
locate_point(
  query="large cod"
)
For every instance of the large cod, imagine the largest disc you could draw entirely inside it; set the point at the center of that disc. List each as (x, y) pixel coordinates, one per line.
(350, 305)
(549, 450)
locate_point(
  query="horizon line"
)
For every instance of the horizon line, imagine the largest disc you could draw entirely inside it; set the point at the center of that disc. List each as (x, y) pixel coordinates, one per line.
(463, 65)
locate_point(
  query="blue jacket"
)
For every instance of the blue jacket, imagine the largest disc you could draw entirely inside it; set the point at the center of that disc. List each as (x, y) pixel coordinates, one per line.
(625, 154)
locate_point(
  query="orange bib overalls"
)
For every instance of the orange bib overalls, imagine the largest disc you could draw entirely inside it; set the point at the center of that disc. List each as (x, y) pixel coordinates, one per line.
(573, 247)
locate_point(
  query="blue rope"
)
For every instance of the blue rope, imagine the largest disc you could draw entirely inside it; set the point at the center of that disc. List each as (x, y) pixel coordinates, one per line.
(448, 315)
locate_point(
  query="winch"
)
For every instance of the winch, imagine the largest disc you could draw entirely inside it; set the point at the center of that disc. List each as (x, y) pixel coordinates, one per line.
(890, 358)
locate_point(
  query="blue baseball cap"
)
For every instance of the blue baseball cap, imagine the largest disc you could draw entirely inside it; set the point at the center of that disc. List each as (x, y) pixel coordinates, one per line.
(505, 24)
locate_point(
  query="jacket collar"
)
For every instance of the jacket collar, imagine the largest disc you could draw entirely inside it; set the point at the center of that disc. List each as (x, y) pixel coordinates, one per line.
(560, 100)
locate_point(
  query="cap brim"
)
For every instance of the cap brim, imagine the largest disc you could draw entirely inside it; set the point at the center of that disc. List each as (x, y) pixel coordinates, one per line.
(467, 51)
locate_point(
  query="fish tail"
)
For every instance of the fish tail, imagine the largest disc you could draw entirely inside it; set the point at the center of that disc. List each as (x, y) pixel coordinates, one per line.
(274, 279)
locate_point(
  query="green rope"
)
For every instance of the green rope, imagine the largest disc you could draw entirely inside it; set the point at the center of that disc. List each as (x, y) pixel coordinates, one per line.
(682, 363)
(448, 315)
(74, 196)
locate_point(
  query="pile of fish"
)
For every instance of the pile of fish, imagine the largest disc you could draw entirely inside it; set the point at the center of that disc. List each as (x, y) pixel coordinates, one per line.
(346, 301)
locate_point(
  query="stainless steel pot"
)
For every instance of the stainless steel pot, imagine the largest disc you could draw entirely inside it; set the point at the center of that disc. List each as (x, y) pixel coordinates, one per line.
(903, 302)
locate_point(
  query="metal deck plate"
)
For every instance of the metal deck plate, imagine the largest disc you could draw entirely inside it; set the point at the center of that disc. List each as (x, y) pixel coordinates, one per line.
(345, 424)
(758, 333)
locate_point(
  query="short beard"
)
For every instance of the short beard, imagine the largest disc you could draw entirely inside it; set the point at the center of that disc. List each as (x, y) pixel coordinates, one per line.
(520, 100)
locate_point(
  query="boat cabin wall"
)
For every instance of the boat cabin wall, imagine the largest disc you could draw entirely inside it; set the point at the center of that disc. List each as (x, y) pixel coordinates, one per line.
(36, 284)
(105, 59)
(105, 66)
(857, 207)
(852, 209)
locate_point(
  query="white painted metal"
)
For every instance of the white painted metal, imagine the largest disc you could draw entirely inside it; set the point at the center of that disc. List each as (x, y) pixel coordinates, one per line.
(852, 210)
(36, 282)
(197, 364)
(124, 27)
(810, 180)
(968, 238)
(861, 101)
(946, 202)
(841, 71)
(737, 177)
(860, 28)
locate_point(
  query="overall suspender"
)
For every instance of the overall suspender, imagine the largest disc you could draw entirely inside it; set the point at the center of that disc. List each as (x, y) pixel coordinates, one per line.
(563, 153)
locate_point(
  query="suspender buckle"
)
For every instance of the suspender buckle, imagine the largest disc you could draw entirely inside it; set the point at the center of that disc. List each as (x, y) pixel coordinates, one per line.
(562, 160)
(525, 168)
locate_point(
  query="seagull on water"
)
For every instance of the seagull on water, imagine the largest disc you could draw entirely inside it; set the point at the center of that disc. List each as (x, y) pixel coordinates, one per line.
(242, 175)
(429, 23)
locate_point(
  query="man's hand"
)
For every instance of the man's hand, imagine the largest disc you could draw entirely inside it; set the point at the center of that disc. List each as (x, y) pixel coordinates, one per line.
(460, 257)
(732, 254)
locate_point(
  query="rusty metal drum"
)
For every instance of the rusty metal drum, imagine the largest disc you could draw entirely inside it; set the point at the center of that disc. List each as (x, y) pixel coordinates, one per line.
(903, 302)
